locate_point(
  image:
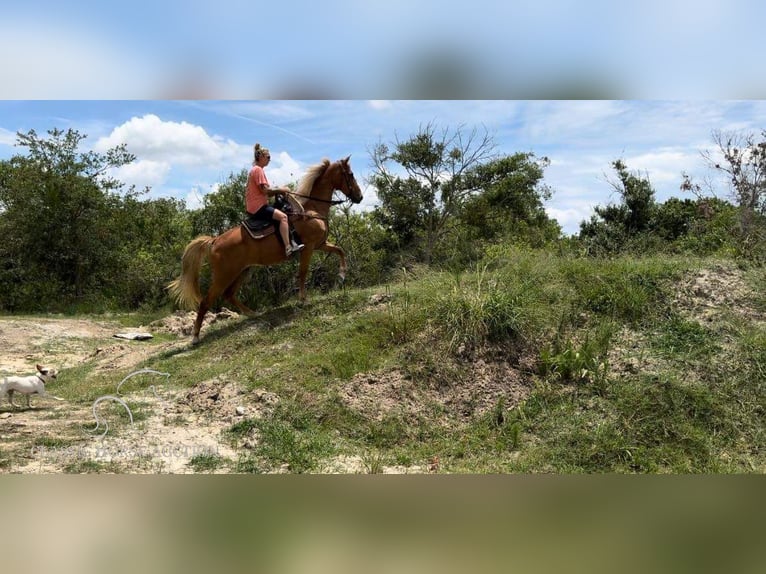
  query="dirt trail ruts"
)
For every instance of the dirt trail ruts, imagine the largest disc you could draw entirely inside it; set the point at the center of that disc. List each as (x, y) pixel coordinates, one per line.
(58, 436)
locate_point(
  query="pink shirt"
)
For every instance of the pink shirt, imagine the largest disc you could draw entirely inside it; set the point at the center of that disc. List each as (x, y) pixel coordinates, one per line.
(255, 198)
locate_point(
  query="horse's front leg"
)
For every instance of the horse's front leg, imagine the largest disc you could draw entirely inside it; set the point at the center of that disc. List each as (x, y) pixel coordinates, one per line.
(330, 248)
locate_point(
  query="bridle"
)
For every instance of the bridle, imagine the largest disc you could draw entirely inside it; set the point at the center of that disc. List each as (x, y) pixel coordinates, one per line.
(348, 177)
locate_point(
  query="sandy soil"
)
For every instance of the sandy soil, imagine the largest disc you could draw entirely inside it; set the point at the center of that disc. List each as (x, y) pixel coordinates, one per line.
(171, 427)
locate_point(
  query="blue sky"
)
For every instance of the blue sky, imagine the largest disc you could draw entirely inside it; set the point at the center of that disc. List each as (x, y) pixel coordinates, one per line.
(185, 148)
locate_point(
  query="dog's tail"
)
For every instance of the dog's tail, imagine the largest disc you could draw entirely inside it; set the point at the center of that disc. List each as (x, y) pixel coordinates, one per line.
(185, 289)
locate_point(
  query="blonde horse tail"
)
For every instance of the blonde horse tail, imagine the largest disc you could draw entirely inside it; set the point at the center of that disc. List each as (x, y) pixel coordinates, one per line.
(185, 289)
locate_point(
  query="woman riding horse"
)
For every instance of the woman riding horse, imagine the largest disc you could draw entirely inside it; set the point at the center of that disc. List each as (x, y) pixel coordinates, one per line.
(234, 251)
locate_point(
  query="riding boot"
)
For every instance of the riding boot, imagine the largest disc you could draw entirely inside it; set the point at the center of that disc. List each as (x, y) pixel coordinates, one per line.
(295, 245)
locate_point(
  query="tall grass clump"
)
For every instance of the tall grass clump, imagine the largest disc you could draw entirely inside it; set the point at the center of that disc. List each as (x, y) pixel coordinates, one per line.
(624, 289)
(507, 300)
(517, 296)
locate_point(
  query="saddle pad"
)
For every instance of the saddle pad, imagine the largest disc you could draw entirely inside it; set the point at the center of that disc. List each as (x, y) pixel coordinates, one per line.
(256, 225)
(260, 232)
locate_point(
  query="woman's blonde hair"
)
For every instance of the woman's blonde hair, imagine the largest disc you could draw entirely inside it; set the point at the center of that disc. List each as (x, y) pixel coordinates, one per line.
(258, 151)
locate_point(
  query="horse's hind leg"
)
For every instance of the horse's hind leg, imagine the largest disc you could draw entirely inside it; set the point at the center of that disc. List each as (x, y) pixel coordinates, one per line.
(201, 312)
(230, 294)
(213, 293)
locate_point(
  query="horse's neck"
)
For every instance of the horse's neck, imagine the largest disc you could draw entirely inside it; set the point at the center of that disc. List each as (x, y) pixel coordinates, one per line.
(321, 191)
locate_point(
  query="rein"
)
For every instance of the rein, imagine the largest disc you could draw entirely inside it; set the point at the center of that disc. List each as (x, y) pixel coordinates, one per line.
(330, 201)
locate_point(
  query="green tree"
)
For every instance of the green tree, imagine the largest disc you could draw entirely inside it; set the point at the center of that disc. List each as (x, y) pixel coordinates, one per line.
(152, 235)
(507, 198)
(421, 198)
(56, 204)
(223, 208)
(612, 226)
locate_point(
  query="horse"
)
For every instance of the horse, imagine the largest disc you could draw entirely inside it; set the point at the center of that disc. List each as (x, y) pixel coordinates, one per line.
(233, 252)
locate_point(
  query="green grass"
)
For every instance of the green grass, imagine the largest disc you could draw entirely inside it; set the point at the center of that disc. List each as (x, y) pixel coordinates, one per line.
(684, 339)
(207, 462)
(557, 319)
(87, 466)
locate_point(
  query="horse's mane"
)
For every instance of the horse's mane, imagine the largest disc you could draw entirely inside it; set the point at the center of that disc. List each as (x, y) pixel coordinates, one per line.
(307, 182)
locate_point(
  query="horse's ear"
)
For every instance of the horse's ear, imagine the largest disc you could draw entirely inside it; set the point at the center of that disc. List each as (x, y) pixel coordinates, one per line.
(345, 160)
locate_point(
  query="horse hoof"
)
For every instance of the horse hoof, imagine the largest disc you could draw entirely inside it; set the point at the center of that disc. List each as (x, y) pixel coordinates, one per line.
(195, 340)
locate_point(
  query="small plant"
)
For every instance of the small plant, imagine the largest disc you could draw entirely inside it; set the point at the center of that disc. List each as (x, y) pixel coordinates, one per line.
(206, 462)
(399, 318)
(685, 338)
(241, 429)
(506, 427)
(86, 467)
(247, 464)
(291, 436)
(373, 462)
(586, 362)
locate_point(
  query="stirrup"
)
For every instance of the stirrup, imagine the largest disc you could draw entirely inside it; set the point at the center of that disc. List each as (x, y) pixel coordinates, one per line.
(293, 248)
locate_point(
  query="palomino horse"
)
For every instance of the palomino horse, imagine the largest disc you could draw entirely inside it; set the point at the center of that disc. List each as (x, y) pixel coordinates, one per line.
(234, 251)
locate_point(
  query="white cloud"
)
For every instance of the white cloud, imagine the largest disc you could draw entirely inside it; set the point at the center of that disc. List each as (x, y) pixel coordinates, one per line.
(665, 165)
(142, 173)
(570, 218)
(7, 137)
(194, 198)
(577, 120)
(151, 138)
(283, 169)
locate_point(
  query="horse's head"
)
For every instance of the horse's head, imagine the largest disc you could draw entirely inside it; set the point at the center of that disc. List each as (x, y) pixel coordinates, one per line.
(348, 185)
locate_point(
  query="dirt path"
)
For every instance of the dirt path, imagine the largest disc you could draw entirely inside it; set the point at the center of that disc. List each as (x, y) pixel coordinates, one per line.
(172, 427)
(65, 342)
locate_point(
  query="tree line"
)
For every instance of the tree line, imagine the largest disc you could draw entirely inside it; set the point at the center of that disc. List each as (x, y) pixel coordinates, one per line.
(76, 239)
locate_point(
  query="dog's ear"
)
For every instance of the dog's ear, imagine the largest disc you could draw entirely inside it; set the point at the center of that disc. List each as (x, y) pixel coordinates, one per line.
(40, 368)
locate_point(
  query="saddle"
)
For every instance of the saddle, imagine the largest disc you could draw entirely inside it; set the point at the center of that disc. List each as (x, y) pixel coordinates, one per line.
(258, 228)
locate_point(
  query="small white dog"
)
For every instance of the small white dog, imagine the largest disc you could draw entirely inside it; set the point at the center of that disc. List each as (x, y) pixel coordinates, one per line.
(31, 385)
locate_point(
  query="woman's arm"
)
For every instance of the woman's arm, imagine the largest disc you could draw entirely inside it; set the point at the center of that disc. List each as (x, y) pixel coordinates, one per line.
(272, 191)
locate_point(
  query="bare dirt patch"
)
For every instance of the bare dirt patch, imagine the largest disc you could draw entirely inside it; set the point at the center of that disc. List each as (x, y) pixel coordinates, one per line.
(709, 297)
(60, 341)
(705, 295)
(482, 384)
(171, 426)
(181, 323)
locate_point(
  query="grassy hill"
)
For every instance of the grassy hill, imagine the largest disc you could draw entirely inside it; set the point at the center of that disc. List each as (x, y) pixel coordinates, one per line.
(532, 362)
